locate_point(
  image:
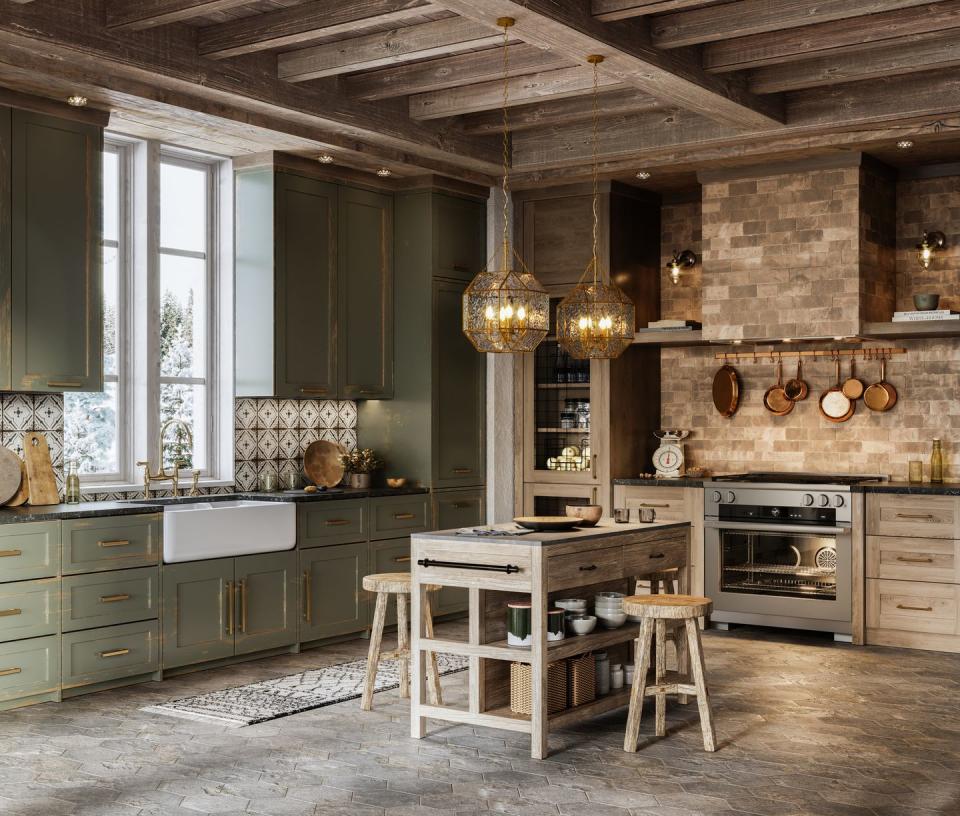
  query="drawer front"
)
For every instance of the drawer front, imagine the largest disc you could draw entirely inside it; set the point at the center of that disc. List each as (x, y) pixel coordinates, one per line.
(29, 609)
(913, 606)
(29, 551)
(460, 508)
(106, 598)
(29, 667)
(116, 542)
(391, 556)
(913, 516)
(109, 653)
(332, 522)
(589, 567)
(397, 515)
(913, 559)
(669, 503)
(643, 558)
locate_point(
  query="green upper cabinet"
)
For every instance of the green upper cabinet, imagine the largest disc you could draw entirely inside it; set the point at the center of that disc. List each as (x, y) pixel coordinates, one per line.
(53, 339)
(365, 284)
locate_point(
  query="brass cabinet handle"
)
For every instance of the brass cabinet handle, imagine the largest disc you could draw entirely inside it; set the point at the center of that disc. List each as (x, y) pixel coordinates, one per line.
(403, 516)
(115, 653)
(928, 516)
(461, 505)
(120, 542)
(914, 560)
(307, 597)
(591, 568)
(64, 384)
(243, 606)
(593, 466)
(8, 672)
(231, 599)
(10, 553)
(648, 504)
(657, 555)
(337, 522)
(370, 390)
(915, 608)
(9, 613)
(306, 390)
(123, 596)
(402, 559)
(462, 471)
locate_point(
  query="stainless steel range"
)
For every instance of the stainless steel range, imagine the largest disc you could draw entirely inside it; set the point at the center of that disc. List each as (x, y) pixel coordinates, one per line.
(778, 550)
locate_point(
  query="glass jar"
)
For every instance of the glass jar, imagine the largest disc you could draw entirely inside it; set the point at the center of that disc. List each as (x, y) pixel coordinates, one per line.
(73, 482)
(915, 471)
(616, 676)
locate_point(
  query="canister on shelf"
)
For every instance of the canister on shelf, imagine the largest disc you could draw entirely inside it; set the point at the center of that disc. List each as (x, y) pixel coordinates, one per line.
(602, 665)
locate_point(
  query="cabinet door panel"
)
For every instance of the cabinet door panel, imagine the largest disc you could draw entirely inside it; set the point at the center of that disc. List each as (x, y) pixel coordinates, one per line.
(459, 394)
(267, 601)
(109, 653)
(365, 294)
(29, 667)
(306, 295)
(392, 555)
(56, 310)
(333, 602)
(197, 618)
(460, 227)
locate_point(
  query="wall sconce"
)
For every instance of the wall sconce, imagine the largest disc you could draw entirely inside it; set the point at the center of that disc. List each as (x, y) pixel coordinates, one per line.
(930, 242)
(680, 260)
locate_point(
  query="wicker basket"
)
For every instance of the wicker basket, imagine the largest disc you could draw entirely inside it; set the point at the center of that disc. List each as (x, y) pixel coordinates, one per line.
(521, 696)
(581, 682)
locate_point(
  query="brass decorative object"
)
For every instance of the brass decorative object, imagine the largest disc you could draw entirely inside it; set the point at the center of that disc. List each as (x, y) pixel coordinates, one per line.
(506, 310)
(597, 319)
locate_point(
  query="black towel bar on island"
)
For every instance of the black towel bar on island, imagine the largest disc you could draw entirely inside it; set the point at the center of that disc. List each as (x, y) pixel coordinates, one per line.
(507, 568)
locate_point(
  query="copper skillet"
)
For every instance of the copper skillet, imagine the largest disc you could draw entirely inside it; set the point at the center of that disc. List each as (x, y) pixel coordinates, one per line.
(836, 406)
(796, 388)
(775, 399)
(726, 390)
(853, 387)
(881, 396)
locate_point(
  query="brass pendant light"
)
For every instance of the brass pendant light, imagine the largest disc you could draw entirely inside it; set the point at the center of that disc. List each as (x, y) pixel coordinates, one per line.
(597, 319)
(506, 309)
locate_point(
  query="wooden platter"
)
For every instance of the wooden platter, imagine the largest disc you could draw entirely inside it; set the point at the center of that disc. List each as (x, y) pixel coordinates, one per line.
(547, 522)
(11, 475)
(322, 464)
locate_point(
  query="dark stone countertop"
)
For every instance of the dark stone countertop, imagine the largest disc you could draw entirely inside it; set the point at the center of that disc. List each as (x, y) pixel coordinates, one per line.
(681, 481)
(907, 488)
(56, 512)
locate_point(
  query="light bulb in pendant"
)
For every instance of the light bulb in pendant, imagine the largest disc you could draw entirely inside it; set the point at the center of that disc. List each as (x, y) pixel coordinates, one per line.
(489, 313)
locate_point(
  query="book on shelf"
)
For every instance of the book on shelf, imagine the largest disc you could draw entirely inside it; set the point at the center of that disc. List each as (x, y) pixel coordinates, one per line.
(672, 325)
(917, 317)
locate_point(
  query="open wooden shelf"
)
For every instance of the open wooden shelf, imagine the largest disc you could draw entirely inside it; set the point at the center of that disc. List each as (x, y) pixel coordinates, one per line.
(564, 430)
(564, 386)
(613, 700)
(573, 645)
(669, 337)
(906, 330)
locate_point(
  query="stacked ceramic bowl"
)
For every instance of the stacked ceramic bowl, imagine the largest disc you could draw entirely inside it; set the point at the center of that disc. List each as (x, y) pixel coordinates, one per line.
(577, 621)
(608, 607)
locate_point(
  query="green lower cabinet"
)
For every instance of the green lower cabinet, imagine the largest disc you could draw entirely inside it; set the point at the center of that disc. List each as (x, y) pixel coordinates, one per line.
(29, 668)
(197, 618)
(332, 599)
(267, 599)
(110, 653)
(29, 609)
(392, 555)
(29, 550)
(107, 598)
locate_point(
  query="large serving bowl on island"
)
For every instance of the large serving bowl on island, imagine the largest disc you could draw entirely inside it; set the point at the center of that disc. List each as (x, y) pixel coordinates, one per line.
(588, 514)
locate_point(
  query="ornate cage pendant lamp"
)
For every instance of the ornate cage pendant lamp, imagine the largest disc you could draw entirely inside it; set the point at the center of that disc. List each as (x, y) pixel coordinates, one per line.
(596, 320)
(506, 309)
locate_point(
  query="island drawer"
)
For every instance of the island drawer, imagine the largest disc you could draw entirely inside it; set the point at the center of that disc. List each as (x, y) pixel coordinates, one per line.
(105, 598)
(913, 559)
(396, 515)
(29, 667)
(110, 652)
(644, 557)
(114, 542)
(913, 516)
(332, 522)
(30, 550)
(585, 567)
(471, 562)
(29, 609)
(913, 606)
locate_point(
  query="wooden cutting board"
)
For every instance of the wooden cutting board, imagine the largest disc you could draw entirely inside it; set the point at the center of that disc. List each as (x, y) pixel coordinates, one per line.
(10, 474)
(43, 484)
(23, 493)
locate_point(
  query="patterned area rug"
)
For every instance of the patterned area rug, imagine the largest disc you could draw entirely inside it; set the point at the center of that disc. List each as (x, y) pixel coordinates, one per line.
(283, 696)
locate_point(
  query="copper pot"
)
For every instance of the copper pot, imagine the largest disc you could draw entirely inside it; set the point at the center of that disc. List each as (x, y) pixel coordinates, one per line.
(775, 399)
(836, 406)
(881, 396)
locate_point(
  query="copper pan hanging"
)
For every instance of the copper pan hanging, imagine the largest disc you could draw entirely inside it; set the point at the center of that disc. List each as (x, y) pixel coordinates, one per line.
(881, 395)
(853, 386)
(775, 399)
(796, 388)
(836, 406)
(726, 390)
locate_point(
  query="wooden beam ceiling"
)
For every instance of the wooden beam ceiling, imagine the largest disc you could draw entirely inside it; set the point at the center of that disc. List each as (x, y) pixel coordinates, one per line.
(566, 27)
(297, 25)
(437, 38)
(124, 14)
(625, 9)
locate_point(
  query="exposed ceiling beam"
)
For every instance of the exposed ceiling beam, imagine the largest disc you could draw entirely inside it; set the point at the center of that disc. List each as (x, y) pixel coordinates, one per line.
(296, 25)
(422, 41)
(567, 27)
(558, 84)
(748, 17)
(149, 13)
(553, 112)
(935, 52)
(624, 9)
(816, 40)
(451, 72)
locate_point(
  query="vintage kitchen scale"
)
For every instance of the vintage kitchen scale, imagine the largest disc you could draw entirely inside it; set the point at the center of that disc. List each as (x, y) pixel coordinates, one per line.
(668, 459)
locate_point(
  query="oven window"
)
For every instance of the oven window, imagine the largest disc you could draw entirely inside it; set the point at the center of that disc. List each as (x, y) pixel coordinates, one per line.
(798, 565)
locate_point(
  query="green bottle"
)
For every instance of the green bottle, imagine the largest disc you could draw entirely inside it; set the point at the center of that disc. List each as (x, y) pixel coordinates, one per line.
(936, 463)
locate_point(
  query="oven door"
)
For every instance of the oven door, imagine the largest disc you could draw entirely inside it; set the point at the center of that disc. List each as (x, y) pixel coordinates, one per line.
(788, 573)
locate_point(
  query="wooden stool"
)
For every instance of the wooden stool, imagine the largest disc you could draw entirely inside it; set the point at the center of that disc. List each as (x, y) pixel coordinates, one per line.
(397, 583)
(655, 611)
(668, 580)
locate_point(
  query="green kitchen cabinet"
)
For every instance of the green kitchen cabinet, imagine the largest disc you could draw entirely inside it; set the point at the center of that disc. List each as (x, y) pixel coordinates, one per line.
(332, 600)
(29, 671)
(198, 615)
(365, 295)
(109, 653)
(52, 287)
(267, 599)
(29, 550)
(29, 609)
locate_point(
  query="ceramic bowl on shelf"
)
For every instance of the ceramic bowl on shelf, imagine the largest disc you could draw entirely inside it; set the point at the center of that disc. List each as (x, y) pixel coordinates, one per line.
(582, 624)
(572, 604)
(612, 620)
(609, 596)
(396, 481)
(589, 514)
(925, 303)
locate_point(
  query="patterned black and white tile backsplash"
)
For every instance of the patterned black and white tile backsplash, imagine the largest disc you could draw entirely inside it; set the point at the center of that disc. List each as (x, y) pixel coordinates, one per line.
(20, 413)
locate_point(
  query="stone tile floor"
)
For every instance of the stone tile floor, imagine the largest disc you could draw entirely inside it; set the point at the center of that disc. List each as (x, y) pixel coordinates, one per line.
(806, 728)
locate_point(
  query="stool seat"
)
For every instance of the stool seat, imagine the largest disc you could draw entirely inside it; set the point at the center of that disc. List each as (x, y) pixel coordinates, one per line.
(392, 582)
(667, 607)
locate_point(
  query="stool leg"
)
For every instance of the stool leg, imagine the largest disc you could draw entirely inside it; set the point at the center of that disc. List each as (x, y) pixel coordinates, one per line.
(373, 653)
(403, 644)
(433, 673)
(642, 658)
(700, 681)
(683, 659)
(661, 675)
(669, 587)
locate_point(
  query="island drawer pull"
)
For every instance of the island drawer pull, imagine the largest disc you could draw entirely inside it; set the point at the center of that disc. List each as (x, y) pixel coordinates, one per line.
(9, 613)
(658, 555)
(123, 596)
(10, 553)
(914, 560)
(591, 568)
(403, 516)
(650, 504)
(927, 516)
(461, 471)
(337, 522)
(115, 653)
(120, 542)
(915, 608)
(8, 672)
(307, 597)
(402, 559)
(507, 568)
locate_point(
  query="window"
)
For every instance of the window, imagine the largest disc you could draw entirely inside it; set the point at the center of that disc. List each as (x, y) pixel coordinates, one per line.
(165, 336)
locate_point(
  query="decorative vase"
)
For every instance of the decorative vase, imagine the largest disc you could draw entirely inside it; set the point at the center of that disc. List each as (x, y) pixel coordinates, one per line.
(360, 480)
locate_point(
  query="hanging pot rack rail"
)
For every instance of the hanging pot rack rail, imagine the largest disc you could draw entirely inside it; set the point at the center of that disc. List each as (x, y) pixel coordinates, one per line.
(769, 356)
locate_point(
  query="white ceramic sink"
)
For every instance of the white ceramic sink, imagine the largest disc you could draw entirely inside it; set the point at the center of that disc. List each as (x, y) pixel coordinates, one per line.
(200, 530)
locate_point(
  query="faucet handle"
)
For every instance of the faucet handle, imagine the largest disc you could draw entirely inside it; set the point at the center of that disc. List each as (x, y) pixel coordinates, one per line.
(195, 487)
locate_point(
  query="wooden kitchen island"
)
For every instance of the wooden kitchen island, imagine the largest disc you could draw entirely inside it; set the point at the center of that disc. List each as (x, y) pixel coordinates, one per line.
(540, 567)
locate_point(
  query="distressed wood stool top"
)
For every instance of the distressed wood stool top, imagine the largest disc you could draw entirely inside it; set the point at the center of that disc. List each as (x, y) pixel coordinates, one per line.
(397, 582)
(668, 607)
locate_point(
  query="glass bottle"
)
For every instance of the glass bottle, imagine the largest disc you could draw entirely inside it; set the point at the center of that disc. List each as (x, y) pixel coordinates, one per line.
(73, 482)
(936, 462)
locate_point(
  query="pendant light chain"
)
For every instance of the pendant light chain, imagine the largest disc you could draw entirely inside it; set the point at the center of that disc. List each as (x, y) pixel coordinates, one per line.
(596, 60)
(505, 186)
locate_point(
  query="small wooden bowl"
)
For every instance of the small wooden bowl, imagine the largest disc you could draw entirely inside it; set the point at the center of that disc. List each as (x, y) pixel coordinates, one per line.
(396, 481)
(589, 514)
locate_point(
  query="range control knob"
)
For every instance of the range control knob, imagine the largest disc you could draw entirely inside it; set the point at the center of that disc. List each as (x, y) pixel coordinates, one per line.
(838, 500)
(731, 497)
(716, 496)
(824, 500)
(775, 512)
(807, 500)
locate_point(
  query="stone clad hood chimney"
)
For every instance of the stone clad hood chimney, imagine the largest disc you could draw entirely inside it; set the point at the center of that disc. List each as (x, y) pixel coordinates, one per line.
(800, 250)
